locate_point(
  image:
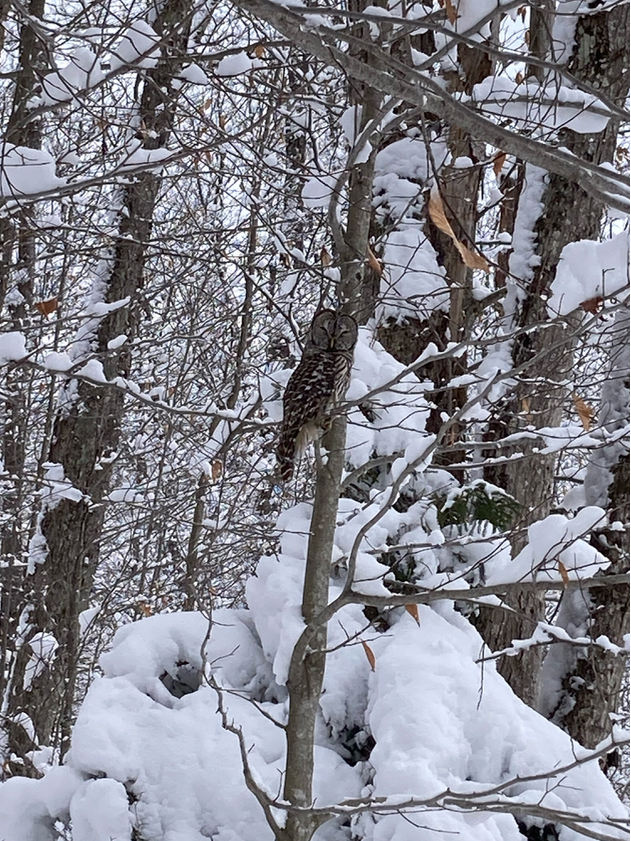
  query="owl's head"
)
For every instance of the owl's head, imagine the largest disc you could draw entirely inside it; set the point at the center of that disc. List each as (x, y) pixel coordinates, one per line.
(333, 332)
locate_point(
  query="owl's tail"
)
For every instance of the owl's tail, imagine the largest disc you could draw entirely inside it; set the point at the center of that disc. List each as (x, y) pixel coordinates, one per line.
(285, 455)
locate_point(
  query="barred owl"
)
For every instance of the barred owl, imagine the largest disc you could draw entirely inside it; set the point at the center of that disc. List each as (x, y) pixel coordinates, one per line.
(317, 385)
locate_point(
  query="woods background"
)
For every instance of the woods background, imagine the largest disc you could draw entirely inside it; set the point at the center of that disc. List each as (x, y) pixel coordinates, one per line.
(182, 186)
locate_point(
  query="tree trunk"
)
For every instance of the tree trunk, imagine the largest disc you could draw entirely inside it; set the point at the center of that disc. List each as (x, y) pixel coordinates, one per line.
(567, 214)
(306, 672)
(17, 272)
(581, 688)
(88, 424)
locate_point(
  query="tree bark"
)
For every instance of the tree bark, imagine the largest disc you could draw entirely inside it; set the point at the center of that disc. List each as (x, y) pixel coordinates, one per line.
(306, 674)
(568, 214)
(88, 426)
(581, 688)
(17, 268)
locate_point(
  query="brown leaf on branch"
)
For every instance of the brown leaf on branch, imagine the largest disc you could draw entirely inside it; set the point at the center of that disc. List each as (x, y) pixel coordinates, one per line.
(437, 214)
(46, 307)
(592, 305)
(564, 573)
(498, 162)
(450, 10)
(412, 609)
(585, 412)
(374, 264)
(370, 655)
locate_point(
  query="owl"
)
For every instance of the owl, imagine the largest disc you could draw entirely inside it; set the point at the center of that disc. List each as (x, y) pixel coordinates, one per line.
(316, 386)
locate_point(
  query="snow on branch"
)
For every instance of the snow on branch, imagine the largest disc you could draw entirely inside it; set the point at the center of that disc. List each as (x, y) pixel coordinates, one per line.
(546, 634)
(393, 78)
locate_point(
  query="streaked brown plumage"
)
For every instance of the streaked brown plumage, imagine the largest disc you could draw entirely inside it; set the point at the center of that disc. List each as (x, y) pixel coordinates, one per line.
(316, 386)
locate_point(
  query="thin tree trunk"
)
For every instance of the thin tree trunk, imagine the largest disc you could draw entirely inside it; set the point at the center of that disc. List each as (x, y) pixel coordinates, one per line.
(306, 674)
(17, 273)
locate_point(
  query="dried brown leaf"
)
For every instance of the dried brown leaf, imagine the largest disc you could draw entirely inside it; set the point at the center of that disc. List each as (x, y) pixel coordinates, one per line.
(472, 259)
(592, 305)
(259, 51)
(412, 609)
(325, 257)
(452, 14)
(437, 214)
(498, 162)
(564, 573)
(370, 655)
(374, 264)
(519, 78)
(216, 470)
(585, 412)
(46, 307)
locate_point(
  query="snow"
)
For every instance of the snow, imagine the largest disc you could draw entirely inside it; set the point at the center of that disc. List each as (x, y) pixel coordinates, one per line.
(458, 729)
(563, 29)
(523, 260)
(28, 807)
(194, 74)
(554, 541)
(55, 361)
(413, 284)
(25, 171)
(350, 122)
(43, 647)
(234, 65)
(100, 812)
(12, 347)
(119, 341)
(589, 269)
(137, 156)
(139, 47)
(48, 221)
(166, 749)
(437, 723)
(125, 494)
(56, 487)
(554, 106)
(92, 370)
(82, 71)
(86, 617)
(471, 12)
(613, 416)
(275, 592)
(398, 422)
(318, 190)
